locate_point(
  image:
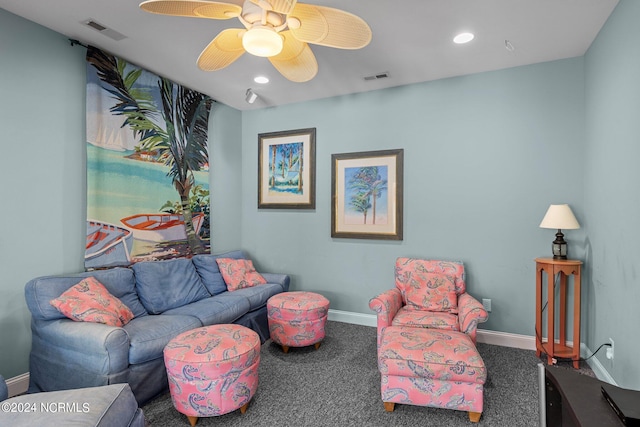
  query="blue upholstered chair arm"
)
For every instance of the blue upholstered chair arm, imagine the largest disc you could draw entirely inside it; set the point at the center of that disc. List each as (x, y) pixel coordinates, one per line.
(4, 391)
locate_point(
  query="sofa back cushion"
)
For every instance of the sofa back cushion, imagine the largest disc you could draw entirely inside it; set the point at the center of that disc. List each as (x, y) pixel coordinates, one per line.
(118, 281)
(209, 272)
(163, 285)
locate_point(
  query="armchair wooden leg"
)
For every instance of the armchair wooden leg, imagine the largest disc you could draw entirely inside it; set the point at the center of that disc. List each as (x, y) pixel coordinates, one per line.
(244, 407)
(474, 417)
(317, 345)
(192, 420)
(285, 348)
(389, 406)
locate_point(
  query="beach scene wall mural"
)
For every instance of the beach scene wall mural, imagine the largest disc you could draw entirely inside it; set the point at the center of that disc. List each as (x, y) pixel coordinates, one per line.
(147, 165)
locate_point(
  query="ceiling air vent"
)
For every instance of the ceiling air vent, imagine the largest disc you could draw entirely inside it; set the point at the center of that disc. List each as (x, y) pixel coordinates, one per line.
(377, 76)
(112, 34)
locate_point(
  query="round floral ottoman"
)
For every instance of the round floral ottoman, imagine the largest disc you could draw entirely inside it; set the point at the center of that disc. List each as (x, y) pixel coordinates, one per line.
(212, 370)
(297, 319)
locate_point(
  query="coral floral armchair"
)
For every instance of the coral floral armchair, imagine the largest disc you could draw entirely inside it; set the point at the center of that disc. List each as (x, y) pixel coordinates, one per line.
(429, 294)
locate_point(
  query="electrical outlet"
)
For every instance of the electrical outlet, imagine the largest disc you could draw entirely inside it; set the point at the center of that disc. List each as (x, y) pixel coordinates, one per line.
(610, 350)
(486, 302)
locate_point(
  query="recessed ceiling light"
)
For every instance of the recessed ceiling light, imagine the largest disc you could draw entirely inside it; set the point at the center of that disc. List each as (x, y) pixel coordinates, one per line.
(463, 38)
(261, 79)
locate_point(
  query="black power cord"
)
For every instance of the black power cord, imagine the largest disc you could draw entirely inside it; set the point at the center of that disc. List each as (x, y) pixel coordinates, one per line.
(563, 359)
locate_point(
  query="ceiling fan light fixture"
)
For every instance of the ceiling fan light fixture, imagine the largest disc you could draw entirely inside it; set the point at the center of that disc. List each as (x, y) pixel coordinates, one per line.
(262, 41)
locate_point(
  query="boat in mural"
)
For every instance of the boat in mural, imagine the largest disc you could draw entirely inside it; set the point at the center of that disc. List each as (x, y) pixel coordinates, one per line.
(161, 227)
(107, 245)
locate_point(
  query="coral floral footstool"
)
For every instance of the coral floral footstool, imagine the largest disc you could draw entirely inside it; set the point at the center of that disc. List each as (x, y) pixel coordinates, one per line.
(297, 319)
(212, 370)
(428, 367)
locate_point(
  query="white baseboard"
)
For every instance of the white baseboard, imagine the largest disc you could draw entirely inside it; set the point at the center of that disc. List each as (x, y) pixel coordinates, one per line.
(18, 385)
(354, 318)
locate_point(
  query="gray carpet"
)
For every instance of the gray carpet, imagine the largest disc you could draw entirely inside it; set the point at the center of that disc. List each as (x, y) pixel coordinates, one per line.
(339, 385)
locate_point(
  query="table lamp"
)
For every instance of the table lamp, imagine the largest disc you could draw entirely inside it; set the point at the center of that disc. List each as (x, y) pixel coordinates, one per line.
(559, 217)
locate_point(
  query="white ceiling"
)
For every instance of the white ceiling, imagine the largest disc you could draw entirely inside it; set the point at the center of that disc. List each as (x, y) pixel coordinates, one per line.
(412, 41)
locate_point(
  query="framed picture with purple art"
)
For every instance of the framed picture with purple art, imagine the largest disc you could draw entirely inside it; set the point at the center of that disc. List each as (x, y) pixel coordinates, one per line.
(366, 195)
(287, 169)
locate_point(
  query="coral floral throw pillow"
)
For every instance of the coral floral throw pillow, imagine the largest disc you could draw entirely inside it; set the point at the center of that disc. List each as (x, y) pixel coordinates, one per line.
(433, 292)
(90, 301)
(239, 273)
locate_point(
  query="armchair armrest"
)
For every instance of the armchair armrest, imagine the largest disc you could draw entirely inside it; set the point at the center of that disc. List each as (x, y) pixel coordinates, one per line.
(470, 313)
(386, 305)
(281, 279)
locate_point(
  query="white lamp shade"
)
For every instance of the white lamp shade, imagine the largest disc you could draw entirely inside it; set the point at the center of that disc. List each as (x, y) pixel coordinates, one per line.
(559, 217)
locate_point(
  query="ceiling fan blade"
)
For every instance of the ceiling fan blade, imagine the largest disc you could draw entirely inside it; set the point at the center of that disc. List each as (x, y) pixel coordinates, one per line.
(222, 51)
(192, 8)
(296, 62)
(329, 27)
(280, 6)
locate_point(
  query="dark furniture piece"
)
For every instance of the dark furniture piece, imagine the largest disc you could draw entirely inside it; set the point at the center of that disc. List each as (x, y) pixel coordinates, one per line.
(568, 398)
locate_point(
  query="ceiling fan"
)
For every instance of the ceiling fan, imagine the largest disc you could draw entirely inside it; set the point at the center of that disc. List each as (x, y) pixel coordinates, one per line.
(277, 29)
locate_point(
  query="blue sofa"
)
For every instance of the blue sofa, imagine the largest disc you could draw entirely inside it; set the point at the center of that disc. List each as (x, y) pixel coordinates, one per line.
(166, 298)
(107, 406)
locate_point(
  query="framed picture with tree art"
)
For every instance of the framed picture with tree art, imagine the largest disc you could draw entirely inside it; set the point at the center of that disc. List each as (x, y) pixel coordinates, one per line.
(366, 195)
(287, 169)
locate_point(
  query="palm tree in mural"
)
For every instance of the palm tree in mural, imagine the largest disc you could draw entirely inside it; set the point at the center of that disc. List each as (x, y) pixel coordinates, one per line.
(182, 143)
(368, 184)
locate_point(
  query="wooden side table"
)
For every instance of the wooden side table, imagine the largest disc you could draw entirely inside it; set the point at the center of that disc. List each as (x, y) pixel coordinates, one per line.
(562, 268)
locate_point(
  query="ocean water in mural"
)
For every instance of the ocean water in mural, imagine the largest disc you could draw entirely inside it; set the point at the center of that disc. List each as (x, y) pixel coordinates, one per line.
(366, 196)
(131, 186)
(147, 165)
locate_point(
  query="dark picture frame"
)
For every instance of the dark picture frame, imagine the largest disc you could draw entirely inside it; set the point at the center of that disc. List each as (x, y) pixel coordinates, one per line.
(287, 169)
(367, 194)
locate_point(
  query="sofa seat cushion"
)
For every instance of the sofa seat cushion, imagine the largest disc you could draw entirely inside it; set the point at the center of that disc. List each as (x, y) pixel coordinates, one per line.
(258, 295)
(150, 334)
(118, 281)
(426, 319)
(110, 405)
(222, 308)
(163, 285)
(209, 272)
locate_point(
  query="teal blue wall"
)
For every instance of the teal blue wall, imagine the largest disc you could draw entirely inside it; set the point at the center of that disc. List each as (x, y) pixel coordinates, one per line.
(42, 173)
(42, 132)
(485, 155)
(612, 191)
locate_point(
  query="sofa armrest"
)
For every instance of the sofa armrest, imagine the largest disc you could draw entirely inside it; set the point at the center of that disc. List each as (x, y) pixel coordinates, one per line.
(470, 313)
(94, 346)
(281, 279)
